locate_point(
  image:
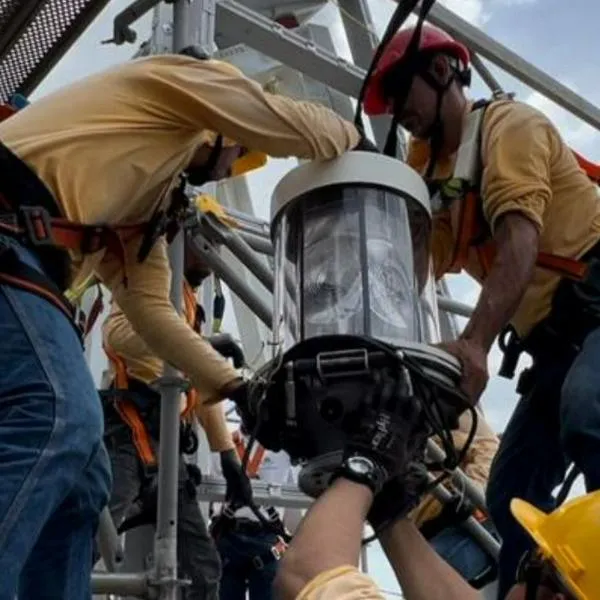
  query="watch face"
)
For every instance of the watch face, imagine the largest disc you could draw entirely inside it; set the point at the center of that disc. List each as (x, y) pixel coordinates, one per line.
(360, 465)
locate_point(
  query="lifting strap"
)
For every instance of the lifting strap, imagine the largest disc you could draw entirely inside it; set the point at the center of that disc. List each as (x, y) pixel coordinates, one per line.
(472, 230)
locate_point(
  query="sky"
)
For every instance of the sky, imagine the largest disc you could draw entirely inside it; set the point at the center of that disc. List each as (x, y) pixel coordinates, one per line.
(557, 37)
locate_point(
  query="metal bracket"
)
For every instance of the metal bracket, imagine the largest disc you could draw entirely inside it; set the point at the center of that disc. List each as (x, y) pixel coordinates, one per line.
(122, 32)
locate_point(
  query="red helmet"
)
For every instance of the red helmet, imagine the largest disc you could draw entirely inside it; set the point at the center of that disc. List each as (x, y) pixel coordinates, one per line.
(432, 39)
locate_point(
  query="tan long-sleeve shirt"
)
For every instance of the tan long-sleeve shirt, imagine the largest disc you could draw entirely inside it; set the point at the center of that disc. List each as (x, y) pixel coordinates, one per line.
(110, 148)
(142, 364)
(527, 168)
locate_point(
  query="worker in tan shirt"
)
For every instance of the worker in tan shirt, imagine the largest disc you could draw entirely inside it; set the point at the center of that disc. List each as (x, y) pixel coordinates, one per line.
(441, 525)
(132, 425)
(108, 152)
(514, 208)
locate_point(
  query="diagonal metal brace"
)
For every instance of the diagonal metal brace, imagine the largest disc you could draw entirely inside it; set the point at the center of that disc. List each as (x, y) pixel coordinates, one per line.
(122, 32)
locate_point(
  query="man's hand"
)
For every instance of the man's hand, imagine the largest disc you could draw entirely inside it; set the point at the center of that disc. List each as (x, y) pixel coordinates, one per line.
(267, 433)
(398, 497)
(473, 359)
(390, 431)
(239, 488)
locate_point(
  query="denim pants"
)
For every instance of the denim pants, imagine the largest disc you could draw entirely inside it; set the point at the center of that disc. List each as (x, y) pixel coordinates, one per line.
(196, 551)
(556, 422)
(462, 552)
(239, 574)
(54, 469)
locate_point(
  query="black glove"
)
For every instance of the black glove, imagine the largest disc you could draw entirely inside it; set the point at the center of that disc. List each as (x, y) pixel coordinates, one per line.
(389, 428)
(366, 145)
(239, 488)
(398, 497)
(223, 343)
(188, 440)
(267, 433)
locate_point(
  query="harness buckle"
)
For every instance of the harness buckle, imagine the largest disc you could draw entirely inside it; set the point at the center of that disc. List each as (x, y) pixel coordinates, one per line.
(94, 239)
(38, 226)
(279, 548)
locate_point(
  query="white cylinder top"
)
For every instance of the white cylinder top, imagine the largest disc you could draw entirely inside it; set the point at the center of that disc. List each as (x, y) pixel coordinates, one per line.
(352, 168)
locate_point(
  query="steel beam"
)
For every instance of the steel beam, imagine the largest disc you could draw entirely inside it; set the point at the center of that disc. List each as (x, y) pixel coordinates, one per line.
(121, 584)
(235, 282)
(212, 489)
(360, 31)
(108, 541)
(453, 306)
(490, 544)
(459, 478)
(513, 64)
(272, 39)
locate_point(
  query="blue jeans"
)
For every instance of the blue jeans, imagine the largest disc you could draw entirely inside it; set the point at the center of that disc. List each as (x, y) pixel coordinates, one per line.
(237, 550)
(54, 469)
(462, 552)
(557, 421)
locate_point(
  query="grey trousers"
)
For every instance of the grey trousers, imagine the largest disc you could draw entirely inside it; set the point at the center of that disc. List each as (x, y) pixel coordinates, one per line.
(198, 557)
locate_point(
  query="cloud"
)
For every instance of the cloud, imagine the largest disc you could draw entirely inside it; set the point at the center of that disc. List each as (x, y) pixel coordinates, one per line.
(580, 135)
(469, 10)
(511, 3)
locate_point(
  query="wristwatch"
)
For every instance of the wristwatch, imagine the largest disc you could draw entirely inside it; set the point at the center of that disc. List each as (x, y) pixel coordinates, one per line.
(363, 470)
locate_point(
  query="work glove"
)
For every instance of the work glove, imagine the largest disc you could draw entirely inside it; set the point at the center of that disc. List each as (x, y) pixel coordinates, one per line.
(238, 487)
(223, 343)
(389, 428)
(366, 145)
(188, 440)
(271, 424)
(398, 497)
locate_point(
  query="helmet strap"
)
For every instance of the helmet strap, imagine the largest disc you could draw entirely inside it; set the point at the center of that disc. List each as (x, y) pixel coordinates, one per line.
(435, 135)
(202, 174)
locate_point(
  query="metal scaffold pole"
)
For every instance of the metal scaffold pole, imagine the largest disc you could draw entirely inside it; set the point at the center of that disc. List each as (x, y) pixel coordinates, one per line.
(191, 26)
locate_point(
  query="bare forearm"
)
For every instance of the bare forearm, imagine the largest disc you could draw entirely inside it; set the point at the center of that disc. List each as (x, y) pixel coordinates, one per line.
(328, 537)
(509, 276)
(420, 571)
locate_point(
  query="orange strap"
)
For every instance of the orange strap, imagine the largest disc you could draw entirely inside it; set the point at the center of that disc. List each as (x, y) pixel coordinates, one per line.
(63, 233)
(6, 110)
(255, 460)
(591, 169)
(129, 413)
(469, 230)
(480, 516)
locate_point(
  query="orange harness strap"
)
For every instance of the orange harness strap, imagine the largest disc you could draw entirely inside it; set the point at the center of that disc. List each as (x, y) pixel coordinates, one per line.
(129, 413)
(591, 169)
(255, 460)
(42, 229)
(470, 230)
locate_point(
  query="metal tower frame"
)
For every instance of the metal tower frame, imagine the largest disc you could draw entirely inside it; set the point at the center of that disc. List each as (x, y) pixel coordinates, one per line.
(35, 35)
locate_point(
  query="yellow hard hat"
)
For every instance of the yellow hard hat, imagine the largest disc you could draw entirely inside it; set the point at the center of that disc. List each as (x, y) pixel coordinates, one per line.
(570, 538)
(249, 161)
